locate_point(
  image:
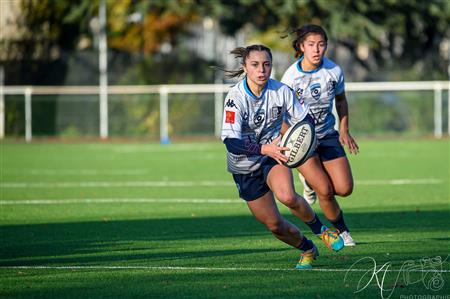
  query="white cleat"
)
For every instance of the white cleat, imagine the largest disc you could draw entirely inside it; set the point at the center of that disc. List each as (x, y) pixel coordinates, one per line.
(308, 193)
(348, 240)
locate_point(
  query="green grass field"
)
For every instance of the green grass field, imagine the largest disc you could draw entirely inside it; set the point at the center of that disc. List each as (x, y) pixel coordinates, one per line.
(154, 221)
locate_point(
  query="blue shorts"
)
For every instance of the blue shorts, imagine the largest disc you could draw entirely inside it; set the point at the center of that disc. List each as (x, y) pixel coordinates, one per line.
(253, 185)
(330, 147)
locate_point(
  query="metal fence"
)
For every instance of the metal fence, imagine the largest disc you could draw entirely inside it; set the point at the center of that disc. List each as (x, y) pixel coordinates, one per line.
(166, 93)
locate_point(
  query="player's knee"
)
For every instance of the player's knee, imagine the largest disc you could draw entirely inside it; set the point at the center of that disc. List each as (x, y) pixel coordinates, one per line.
(276, 227)
(344, 193)
(345, 190)
(289, 199)
(325, 192)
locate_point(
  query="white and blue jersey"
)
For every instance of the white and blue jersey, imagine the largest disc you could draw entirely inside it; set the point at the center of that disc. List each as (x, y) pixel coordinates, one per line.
(257, 119)
(317, 88)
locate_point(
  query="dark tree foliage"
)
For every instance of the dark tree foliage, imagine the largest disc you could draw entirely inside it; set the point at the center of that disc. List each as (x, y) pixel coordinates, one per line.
(404, 33)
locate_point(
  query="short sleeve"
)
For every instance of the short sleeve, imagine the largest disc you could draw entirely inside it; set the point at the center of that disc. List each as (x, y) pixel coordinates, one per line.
(340, 86)
(232, 117)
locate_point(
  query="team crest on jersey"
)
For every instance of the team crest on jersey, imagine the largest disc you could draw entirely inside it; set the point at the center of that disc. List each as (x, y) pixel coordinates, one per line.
(258, 118)
(229, 116)
(315, 90)
(331, 86)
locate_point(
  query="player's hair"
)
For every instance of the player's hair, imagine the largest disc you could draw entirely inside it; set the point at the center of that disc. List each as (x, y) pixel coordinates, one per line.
(242, 53)
(301, 34)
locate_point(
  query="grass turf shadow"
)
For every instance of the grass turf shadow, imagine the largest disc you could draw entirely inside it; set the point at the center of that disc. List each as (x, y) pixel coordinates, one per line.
(91, 242)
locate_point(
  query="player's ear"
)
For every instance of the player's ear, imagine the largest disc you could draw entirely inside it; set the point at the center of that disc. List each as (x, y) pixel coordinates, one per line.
(300, 46)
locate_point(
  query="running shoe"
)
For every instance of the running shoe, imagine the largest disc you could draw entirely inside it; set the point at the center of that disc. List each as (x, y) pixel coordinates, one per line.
(307, 258)
(348, 240)
(331, 238)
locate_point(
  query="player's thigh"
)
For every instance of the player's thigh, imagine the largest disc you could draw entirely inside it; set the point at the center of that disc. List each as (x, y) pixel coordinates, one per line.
(280, 179)
(265, 210)
(315, 174)
(281, 182)
(340, 175)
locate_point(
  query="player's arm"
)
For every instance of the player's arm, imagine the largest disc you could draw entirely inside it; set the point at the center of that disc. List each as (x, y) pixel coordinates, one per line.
(242, 147)
(342, 110)
(245, 147)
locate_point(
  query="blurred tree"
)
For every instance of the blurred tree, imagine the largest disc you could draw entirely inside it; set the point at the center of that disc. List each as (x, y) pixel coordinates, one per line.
(49, 26)
(144, 27)
(146, 38)
(407, 32)
(46, 28)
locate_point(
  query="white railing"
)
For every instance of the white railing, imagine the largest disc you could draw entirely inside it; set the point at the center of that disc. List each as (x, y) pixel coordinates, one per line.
(218, 89)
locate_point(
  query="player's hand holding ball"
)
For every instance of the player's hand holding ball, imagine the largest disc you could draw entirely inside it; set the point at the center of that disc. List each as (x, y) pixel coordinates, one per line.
(274, 151)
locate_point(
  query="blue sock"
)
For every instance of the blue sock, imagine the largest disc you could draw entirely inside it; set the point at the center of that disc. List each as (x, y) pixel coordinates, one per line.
(315, 225)
(339, 223)
(306, 244)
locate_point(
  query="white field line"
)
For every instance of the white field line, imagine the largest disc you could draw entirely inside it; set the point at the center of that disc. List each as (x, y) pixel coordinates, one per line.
(424, 181)
(167, 183)
(171, 268)
(135, 184)
(118, 200)
(78, 172)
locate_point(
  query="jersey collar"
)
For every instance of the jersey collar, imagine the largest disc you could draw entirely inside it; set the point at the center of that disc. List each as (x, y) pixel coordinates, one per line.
(250, 93)
(299, 66)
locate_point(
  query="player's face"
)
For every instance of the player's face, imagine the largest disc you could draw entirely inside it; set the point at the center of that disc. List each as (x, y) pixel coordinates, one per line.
(313, 47)
(258, 67)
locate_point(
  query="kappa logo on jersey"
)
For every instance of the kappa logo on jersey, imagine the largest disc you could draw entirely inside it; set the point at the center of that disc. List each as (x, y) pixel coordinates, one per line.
(230, 103)
(258, 118)
(229, 117)
(276, 112)
(315, 90)
(331, 86)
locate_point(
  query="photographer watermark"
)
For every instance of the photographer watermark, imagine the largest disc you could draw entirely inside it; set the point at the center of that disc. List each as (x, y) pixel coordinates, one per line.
(425, 271)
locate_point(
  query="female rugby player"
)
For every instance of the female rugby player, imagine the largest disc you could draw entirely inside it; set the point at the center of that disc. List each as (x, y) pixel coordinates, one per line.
(319, 82)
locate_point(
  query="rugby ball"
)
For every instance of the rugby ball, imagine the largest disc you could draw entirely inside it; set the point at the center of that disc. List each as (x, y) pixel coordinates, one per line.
(301, 141)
